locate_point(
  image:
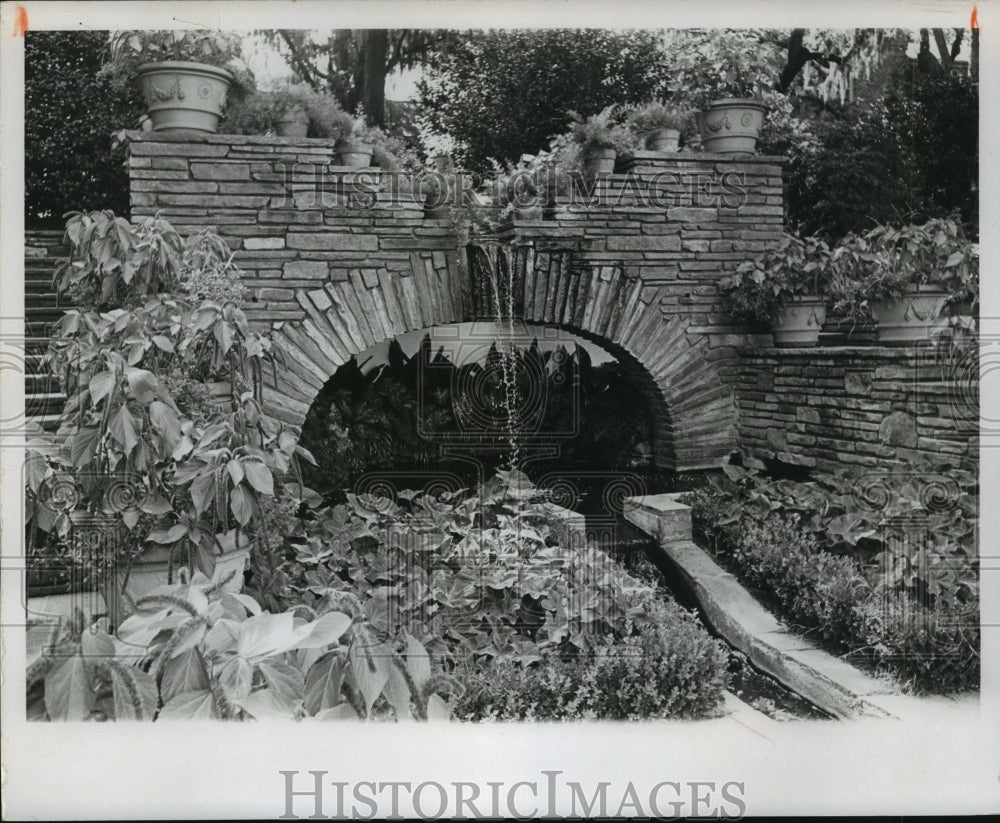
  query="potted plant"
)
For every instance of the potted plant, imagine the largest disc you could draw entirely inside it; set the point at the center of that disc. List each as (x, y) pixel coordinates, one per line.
(598, 139)
(437, 188)
(658, 126)
(356, 139)
(163, 476)
(783, 287)
(184, 75)
(903, 278)
(290, 110)
(724, 78)
(520, 191)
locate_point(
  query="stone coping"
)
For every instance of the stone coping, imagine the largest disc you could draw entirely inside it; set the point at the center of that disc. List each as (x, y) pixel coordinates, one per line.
(874, 350)
(190, 136)
(824, 680)
(694, 156)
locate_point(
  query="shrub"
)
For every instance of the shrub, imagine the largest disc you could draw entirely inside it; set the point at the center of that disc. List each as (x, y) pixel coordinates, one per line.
(669, 668)
(70, 115)
(908, 155)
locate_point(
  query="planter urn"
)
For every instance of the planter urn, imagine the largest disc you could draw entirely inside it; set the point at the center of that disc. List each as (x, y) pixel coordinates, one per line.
(731, 126)
(911, 317)
(799, 322)
(665, 140)
(598, 161)
(181, 95)
(152, 569)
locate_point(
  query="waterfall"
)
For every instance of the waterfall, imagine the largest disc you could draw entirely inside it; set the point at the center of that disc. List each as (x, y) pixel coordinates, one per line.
(498, 263)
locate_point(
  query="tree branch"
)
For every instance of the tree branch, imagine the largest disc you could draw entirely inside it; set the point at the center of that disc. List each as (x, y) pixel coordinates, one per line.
(798, 56)
(956, 47)
(942, 46)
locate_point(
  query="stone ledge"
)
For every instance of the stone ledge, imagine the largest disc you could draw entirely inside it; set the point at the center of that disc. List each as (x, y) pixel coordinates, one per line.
(186, 136)
(893, 352)
(660, 515)
(644, 155)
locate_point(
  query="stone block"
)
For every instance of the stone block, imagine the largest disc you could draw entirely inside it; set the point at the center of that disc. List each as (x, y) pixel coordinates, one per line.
(659, 515)
(858, 382)
(142, 149)
(692, 214)
(271, 294)
(898, 429)
(220, 171)
(328, 241)
(777, 439)
(258, 243)
(306, 269)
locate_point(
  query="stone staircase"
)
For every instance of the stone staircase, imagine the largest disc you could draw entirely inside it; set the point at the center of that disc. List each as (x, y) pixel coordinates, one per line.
(43, 249)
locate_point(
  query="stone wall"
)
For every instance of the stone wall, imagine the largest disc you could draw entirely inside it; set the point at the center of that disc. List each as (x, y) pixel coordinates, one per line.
(873, 406)
(338, 261)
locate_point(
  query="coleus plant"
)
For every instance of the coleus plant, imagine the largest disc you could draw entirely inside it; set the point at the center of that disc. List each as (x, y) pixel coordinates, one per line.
(193, 650)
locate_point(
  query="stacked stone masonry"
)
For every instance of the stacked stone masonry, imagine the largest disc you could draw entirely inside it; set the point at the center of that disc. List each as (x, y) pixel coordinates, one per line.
(868, 406)
(339, 259)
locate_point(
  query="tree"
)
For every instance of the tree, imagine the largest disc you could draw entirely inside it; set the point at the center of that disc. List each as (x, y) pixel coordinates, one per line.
(70, 116)
(352, 64)
(503, 93)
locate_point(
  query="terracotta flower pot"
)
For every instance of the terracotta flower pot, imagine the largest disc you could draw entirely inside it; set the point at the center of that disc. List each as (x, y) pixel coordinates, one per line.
(731, 125)
(294, 123)
(354, 153)
(799, 322)
(667, 140)
(598, 161)
(184, 95)
(528, 213)
(911, 317)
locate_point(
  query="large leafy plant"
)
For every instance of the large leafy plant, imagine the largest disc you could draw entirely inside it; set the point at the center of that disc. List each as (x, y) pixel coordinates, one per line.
(759, 288)
(887, 263)
(193, 473)
(721, 63)
(128, 50)
(655, 116)
(195, 651)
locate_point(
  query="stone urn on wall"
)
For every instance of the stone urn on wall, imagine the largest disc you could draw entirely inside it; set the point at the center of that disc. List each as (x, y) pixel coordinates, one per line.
(799, 321)
(183, 95)
(911, 317)
(731, 125)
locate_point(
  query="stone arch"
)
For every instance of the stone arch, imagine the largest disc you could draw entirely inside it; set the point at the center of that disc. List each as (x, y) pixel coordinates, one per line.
(697, 427)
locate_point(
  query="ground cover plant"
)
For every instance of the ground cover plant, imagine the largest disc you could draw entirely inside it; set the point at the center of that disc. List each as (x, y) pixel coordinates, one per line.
(504, 601)
(887, 573)
(452, 605)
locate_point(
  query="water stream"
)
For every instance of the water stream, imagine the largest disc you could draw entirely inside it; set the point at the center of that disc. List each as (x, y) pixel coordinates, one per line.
(499, 269)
